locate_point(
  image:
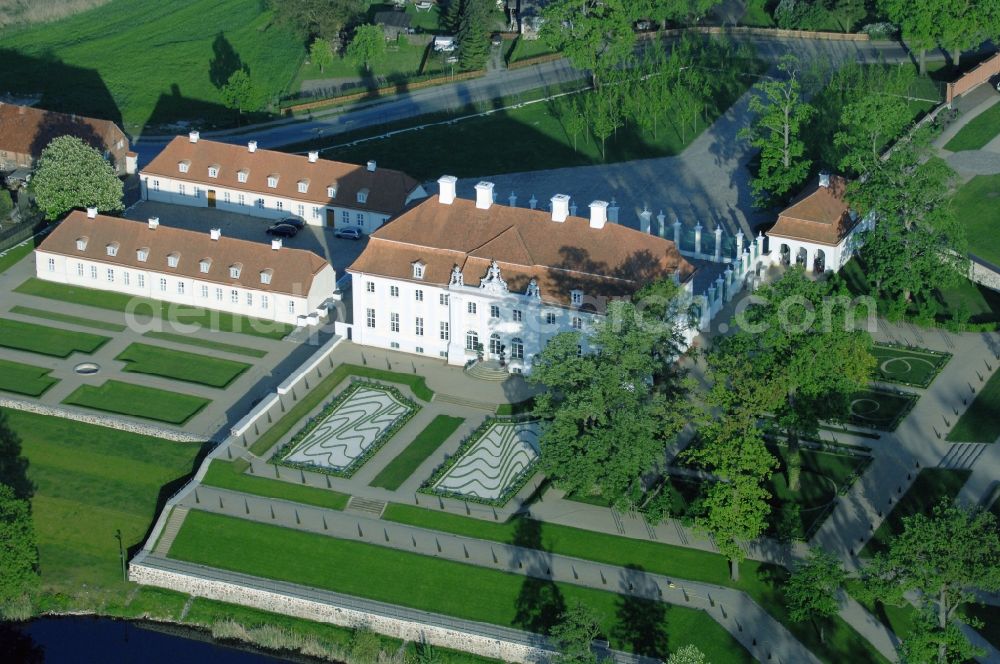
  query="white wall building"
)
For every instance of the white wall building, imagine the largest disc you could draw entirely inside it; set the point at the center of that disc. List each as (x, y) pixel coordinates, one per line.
(265, 183)
(262, 281)
(451, 274)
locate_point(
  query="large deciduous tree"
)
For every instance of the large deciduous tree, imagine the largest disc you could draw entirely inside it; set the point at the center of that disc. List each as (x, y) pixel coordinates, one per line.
(321, 53)
(594, 35)
(241, 94)
(876, 114)
(918, 22)
(18, 554)
(367, 44)
(779, 113)
(689, 654)
(938, 560)
(813, 589)
(71, 174)
(317, 18)
(573, 635)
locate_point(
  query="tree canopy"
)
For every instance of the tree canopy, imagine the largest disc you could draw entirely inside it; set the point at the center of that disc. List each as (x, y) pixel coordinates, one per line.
(241, 93)
(573, 635)
(317, 18)
(475, 20)
(594, 35)
(71, 174)
(813, 589)
(689, 654)
(321, 53)
(367, 44)
(18, 553)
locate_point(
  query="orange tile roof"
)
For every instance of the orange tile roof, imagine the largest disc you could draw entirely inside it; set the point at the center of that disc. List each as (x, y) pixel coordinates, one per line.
(292, 273)
(819, 214)
(387, 189)
(612, 261)
(27, 130)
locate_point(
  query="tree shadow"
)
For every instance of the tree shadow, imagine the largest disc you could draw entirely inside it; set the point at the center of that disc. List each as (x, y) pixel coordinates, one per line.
(19, 646)
(13, 464)
(225, 61)
(53, 125)
(173, 110)
(641, 625)
(540, 602)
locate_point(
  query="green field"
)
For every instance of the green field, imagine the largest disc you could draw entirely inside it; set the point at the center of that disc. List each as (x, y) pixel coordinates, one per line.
(426, 442)
(232, 475)
(880, 410)
(142, 308)
(441, 586)
(981, 422)
(977, 205)
(180, 365)
(145, 64)
(916, 367)
(25, 379)
(47, 340)
(929, 487)
(192, 340)
(114, 396)
(14, 255)
(978, 132)
(66, 318)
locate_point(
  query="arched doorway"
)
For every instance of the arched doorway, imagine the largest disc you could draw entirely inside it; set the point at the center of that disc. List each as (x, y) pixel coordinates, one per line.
(801, 256)
(784, 255)
(516, 349)
(495, 345)
(819, 262)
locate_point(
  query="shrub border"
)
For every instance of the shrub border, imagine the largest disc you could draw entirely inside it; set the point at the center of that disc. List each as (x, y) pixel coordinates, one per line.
(917, 350)
(314, 421)
(911, 401)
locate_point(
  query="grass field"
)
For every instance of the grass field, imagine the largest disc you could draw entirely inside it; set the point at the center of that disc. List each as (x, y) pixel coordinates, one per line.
(180, 365)
(400, 62)
(977, 205)
(981, 422)
(143, 63)
(143, 308)
(149, 403)
(441, 586)
(25, 379)
(908, 366)
(877, 409)
(66, 318)
(232, 475)
(14, 255)
(406, 462)
(91, 481)
(192, 340)
(981, 130)
(929, 487)
(47, 340)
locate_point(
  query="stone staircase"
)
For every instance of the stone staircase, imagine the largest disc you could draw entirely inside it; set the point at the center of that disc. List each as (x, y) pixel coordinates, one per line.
(962, 455)
(370, 507)
(461, 401)
(489, 370)
(174, 523)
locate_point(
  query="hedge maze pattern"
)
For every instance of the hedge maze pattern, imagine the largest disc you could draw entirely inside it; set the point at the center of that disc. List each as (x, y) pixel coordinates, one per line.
(501, 456)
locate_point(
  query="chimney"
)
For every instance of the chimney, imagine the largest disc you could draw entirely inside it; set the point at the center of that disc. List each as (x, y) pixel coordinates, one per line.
(153, 223)
(276, 243)
(446, 189)
(91, 213)
(560, 207)
(371, 165)
(313, 156)
(824, 179)
(252, 146)
(193, 136)
(215, 233)
(484, 195)
(598, 214)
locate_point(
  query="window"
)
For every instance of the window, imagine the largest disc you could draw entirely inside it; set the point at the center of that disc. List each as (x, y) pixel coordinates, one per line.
(418, 295)
(249, 299)
(300, 210)
(265, 277)
(180, 287)
(550, 318)
(315, 212)
(471, 308)
(280, 205)
(516, 315)
(234, 270)
(576, 297)
(156, 185)
(331, 191)
(418, 270)
(443, 299)
(227, 197)
(93, 271)
(142, 281)
(79, 269)
(360, 218)
(345, 216)
(241, 176)
(272, 181)
(260, 203)
(303, 186)
(52, 265)
(241, 199)
(471, 340)
(234, 296)
(111, 275)
(494, 311)
(419, 326)
(370, 318)
(264, 302)
(172, 260)
(112, 249)
(213, 172)
(577, 323)
(81, 243)
(419, 349)
(516, 349)
(218, 295)
(142, 254)
(579, 350)
(444, 333)
(394, 291)
(370, 286)
(362, 195)
(393, 322)
(163, 284)
(204, 291)
(291, 306)
(495, 344)
(183, 167)
(204, 264)
(181, 189)
(126, 277)
(394, 345)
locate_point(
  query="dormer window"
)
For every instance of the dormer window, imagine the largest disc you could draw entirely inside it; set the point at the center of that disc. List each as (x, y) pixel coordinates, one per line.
(265, 276)
(272, 181)
(183, 166)
(303, 186)
(112, 249)
(213, 171)
(331, 190)
(242, 175)
(576, 297)
(418, 270)
(235, 269)
(363, 195)
(173, 259)
(142, 254)
(81, 243)
(204, 265)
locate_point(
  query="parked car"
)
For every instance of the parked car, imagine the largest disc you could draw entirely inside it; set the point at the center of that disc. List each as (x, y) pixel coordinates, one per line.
(496, 39)
(292, 221)
(282, 230)
(348, 233)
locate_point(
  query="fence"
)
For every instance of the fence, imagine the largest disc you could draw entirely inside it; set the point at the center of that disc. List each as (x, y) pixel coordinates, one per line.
(18, 233)
(974, 78)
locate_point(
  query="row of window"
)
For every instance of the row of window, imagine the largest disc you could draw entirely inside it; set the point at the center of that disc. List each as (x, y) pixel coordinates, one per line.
(496, 346)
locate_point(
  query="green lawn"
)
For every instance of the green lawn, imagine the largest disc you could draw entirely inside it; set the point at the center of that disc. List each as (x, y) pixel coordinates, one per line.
(916, 367)
(192, 340)
(47, 340)
(981, 130)
(897, 618)
(981, 422)
(149, 63)
(401, 61)
(524, 49)
(66, 318)
(427, 441)
(929, 487)
(519, 408)
(14, 255)
(441, 586)
(878, 409)
(180, 365)
(977, 205)
(114, 396)
(144, 308)
(232, 475)
(91, 481)
(25, 379)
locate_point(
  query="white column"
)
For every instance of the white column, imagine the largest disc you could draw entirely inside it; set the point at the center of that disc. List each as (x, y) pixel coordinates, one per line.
(739, 244)
(661, 224)
(697, 238)
(718, 244)
(645, 219)
(729, 283)
(677, 233)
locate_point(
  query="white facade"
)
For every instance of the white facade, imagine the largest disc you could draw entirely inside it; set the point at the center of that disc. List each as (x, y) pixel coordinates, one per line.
(815, 255)
(184, 290)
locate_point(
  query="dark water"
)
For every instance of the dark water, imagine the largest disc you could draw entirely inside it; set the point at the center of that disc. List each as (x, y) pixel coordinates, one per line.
(85, 639)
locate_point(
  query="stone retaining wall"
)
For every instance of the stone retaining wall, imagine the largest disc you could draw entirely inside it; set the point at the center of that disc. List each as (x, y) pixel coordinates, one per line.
(985, 276)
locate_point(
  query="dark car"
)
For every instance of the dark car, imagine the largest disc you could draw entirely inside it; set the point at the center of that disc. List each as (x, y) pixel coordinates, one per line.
(348, 233)
(496, 39)
(292, 221)
(282, 230)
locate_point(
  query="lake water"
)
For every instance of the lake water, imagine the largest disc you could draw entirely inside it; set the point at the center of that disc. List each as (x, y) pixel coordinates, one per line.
(85, 639)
